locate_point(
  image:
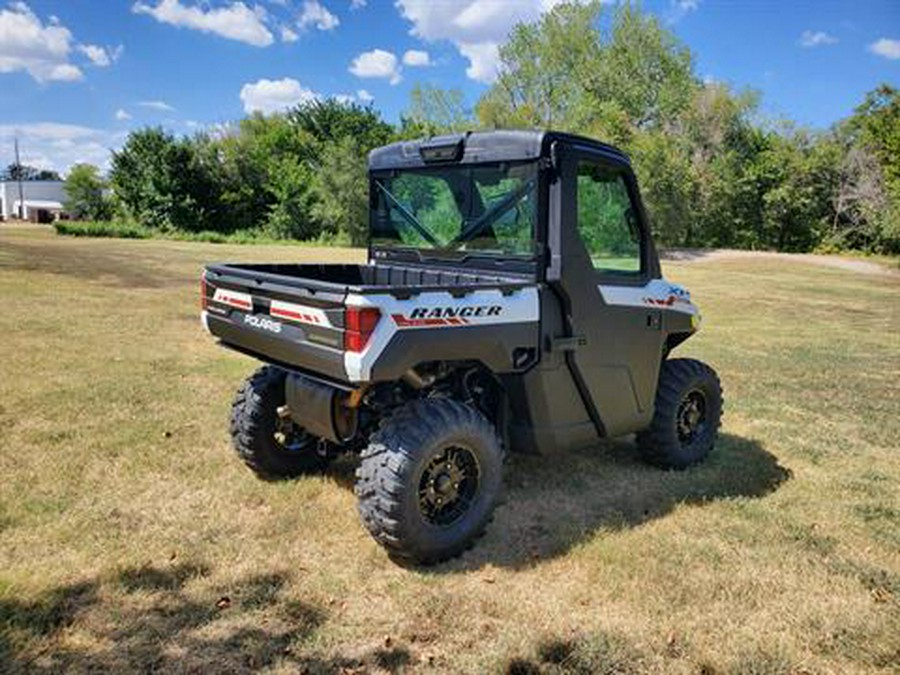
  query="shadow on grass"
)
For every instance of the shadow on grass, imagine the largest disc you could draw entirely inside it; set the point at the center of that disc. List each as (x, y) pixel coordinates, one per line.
(167, 618)
(615, 653)
(553, 504)
(90, 264)
(593, 653)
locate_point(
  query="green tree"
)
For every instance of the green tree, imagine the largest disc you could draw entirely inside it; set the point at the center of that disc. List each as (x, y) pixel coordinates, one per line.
(265, 176)
(644, 69)
(341, 188)
(877, 120)
(151, 178)
(85, 198)
(163, 182)
(667, 187)
(546, 69)
(433, 111)
(862, 214)
(867, 204)
(25, 172)
(330, 121)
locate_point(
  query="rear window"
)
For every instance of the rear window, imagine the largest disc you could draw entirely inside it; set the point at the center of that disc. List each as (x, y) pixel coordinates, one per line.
(488, 208)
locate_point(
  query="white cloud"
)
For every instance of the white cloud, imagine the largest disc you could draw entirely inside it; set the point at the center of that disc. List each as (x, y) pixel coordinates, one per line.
(377, 63)
(484, 60)
(64, 72)
(416, 57)
(100, 56)
(288, 35)
(316, 14)
(476, 27)
(162, 106)
(41, 50)
(357, 4)
(235, 21)
(889, 49)
(268, 96)
(816, 38)
(122, 115)
(50, 145)
(686, 5)
(364, 96)
(344, 98)
(678, 9)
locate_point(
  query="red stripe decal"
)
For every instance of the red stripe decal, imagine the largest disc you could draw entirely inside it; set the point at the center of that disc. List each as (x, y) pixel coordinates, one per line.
(297, 316)
(403, 322)
(236, 302)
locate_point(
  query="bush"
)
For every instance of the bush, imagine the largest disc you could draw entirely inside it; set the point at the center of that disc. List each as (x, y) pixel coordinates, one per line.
(121, 230)
(74, 228)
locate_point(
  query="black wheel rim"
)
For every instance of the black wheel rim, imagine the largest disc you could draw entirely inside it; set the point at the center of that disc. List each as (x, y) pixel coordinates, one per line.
(289, 436)
(691, 417)
(448, 485)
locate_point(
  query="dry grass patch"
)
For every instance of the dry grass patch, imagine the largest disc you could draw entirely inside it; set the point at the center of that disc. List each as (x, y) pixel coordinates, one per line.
(133, 540)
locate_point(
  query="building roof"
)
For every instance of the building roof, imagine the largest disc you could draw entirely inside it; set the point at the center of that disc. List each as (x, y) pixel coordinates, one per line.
(40, 204)
(26, 182)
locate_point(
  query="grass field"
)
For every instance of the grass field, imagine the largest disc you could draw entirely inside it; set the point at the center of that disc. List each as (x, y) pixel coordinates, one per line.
(131, 540)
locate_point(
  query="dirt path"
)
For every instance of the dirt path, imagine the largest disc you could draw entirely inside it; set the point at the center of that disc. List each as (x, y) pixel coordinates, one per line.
(710, 255)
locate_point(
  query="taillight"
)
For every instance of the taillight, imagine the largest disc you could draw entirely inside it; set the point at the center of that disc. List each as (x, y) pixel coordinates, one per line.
(204, 300)
(359, 324)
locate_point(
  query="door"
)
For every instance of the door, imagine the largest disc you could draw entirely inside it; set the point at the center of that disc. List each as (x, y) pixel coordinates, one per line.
(606, 264)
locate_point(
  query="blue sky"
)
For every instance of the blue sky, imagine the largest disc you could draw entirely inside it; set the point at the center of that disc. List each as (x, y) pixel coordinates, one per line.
(76, 75)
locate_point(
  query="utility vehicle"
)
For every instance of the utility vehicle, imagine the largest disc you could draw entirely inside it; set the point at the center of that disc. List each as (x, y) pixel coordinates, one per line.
(512, 301)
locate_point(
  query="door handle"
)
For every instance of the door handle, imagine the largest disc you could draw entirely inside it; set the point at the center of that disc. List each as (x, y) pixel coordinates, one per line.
(567, 344)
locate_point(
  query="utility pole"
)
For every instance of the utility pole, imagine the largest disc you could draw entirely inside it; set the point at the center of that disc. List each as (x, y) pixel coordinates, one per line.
(21, 187)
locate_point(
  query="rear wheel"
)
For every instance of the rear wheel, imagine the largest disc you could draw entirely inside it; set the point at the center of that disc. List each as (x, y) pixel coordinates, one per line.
(687, 417)
(269, 443)
(429, 480)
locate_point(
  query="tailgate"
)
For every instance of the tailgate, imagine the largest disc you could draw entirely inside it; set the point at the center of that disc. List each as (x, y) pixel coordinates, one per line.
(278, 320)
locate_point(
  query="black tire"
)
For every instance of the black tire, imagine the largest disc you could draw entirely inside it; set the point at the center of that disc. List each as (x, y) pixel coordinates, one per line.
(272, 447)
(405, 472)
(687, 417)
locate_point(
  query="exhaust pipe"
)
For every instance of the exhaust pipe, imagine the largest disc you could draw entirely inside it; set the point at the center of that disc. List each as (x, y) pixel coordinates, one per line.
(322, 410)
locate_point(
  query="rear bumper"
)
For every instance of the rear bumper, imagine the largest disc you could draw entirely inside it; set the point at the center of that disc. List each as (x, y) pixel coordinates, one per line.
(289, 348)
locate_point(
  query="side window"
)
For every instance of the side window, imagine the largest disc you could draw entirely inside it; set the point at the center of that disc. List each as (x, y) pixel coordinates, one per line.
(607, 220)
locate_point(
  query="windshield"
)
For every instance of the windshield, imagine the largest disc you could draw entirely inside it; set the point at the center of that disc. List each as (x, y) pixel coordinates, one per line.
(484, 208)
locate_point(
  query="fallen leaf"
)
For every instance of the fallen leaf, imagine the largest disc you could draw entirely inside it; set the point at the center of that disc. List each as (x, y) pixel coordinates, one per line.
(881, 594)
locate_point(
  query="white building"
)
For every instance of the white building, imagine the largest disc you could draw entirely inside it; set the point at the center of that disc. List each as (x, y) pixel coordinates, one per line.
(43, 199)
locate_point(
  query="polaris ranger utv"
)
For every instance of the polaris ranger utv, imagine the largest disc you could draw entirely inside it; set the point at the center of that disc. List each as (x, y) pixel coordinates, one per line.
(512, 300)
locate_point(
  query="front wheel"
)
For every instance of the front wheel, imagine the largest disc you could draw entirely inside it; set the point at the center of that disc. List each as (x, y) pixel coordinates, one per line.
(429, 480)
(268, 442)
(687, 417)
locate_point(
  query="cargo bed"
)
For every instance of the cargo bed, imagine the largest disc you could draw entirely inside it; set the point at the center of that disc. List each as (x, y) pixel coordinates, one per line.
(317, 318)
(376, 278)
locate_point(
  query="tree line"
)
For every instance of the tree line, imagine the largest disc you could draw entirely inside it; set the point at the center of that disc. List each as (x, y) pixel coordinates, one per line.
(712, 171)
(23, 172)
